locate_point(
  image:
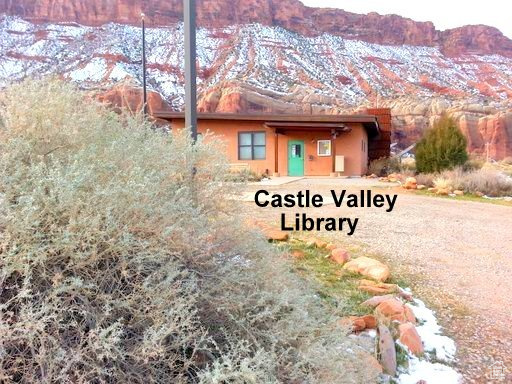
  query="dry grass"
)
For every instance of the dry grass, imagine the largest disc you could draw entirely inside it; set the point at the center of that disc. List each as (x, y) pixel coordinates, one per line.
(117, 265)
(443, 183)
(490, 182)
(384, 166)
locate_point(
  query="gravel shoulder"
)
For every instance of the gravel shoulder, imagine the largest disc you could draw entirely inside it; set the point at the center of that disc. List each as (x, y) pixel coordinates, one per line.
(456, 255)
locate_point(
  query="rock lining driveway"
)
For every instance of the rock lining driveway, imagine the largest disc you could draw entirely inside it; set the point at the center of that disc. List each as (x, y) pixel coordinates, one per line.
(456, 255)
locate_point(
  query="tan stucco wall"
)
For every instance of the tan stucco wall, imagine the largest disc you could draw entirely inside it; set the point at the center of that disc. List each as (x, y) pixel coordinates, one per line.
(347, 144)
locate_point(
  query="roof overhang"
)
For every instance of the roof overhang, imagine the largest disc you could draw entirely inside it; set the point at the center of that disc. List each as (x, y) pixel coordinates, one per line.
(288, 121)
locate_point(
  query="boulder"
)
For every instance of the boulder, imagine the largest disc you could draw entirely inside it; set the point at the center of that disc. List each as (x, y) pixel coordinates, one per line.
(340, 256)
(410, 338)
(387, 350)
(394, 310)
(368, 267)
(443, 191)
(421, 187)
(458, 193)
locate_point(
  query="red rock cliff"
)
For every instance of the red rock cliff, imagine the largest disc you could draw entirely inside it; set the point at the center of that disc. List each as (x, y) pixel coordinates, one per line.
(290, 14)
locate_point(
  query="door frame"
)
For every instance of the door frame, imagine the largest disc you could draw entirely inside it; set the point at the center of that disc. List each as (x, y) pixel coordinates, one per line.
(303, 155)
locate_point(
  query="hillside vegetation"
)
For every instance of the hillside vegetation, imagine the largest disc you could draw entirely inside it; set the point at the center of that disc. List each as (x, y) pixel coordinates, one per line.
(118, 266)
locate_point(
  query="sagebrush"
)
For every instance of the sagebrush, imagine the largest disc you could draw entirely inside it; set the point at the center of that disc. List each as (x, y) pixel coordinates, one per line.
(485, 181)
(120, 266)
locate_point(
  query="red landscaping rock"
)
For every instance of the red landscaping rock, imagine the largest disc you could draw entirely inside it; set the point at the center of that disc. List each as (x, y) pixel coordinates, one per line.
(275, 234)
(443, 191)
(404, 294)
(330, 247)
(409, 314)
(359, 324)
(375, 301)
(394, 309)
(320, 244)
(347, 322)
(387, 350)
(410, 338)
(410, 183)
(340, 256)
(368, 267)
(370, 322)
(377, 288)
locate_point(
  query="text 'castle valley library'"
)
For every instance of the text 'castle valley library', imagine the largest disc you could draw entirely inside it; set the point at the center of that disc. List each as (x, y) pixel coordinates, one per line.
(307, 199)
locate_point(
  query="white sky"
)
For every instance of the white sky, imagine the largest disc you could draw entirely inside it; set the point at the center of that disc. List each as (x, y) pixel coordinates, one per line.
(444, 14)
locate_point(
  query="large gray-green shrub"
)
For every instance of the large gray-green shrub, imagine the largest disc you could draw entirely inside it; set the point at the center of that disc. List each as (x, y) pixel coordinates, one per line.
(118, 266)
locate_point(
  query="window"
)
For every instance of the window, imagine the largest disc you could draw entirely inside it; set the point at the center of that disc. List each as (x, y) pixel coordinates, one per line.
(297, 151)
(324, 147)
(251, 146)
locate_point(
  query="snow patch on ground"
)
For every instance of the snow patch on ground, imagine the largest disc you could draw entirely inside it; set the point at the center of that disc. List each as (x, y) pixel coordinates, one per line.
(431, 333)
(442, 347)
(430, 372)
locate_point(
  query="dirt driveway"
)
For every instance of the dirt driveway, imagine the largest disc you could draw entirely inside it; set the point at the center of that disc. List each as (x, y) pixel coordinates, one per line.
(456, 255)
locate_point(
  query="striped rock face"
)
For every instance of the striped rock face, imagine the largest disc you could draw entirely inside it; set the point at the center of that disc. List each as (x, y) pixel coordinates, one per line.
(275, 56)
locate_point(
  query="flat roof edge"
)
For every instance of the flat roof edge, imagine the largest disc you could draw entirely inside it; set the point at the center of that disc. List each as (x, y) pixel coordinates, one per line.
(270, 117)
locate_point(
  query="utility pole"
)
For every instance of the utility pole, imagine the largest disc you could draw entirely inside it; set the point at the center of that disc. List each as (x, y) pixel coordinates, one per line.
(189, 10)
(144, 85)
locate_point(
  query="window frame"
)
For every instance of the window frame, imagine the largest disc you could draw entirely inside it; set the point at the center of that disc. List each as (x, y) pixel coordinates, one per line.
(318, 148)
(252, 145)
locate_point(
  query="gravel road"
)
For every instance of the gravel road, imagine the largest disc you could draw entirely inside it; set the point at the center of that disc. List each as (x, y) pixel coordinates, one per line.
(456, 255)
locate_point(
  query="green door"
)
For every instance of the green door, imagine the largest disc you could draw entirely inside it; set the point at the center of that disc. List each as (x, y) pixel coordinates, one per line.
(295, 158)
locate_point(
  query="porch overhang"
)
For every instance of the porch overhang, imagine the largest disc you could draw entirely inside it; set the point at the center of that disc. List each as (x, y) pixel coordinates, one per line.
(282, 127)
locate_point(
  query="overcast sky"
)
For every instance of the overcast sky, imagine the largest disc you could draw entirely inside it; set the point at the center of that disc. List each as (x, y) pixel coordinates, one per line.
(443, 13)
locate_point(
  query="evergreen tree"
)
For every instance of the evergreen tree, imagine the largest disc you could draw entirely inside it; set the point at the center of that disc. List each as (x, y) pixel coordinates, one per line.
(442, 147)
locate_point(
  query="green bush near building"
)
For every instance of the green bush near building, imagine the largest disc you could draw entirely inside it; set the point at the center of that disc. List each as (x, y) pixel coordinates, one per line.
(442, 147)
